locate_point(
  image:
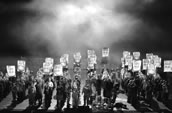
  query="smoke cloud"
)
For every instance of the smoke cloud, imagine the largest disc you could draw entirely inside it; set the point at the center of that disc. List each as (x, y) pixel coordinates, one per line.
(67, 26)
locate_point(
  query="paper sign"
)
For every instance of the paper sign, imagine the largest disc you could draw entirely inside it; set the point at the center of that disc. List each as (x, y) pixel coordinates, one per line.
(90, 65)
(49, 61)
(62, 61)
(168, 66)
(77, 57)
(46, 67)
(21, 65)
(11, 70)
(93, 59)
(150, 61)
(145, 64)
(136, 55)
(149, 55)
(58, 70)
(105, 52)
(126, 53)
(90, 52)
(136, 65)
(66, 57)
(122, 61)
(157, 62)
(151, 69)
(128, 59)
(130, 64)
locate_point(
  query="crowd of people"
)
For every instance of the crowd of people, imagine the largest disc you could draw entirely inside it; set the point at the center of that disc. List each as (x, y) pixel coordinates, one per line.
(100, 89)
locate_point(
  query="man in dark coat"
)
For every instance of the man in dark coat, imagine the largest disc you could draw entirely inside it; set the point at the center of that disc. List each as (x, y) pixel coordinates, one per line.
(98, 85)
(39, 91)
(107, 92)
(87, 93)
(59, 93)
(132, 91)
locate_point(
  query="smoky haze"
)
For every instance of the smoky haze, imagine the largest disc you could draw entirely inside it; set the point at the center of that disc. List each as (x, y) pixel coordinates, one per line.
(56, 27)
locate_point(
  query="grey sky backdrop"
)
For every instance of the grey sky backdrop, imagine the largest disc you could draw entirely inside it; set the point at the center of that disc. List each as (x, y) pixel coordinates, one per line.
(54, 27)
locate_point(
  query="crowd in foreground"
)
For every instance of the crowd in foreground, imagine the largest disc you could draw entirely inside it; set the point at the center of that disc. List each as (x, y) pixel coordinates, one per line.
(136, 85)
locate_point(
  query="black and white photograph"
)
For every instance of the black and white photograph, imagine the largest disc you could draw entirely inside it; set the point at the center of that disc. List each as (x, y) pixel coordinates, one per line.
(86, 56)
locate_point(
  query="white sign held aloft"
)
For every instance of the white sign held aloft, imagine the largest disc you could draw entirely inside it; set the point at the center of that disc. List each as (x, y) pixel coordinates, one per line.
(136, 55)
(62, 61)
(21, 64)
(128, 59)
(93, 59)
(66, 57)
(151, 69)
(126, 53)
(90, 53)
(136, 65)
(105, 52)
(49, 61)
(149, 55)
(58, 70)
(77, 57)
(145, 64)
(11, 70)
(122, 62)
(168, 66)
(46, 67)
(157, 62)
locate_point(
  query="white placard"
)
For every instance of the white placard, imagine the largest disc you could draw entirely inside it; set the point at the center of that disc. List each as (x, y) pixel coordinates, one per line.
(66, 57)
(151, 61)
(62, 61)
(90, 65)
(157, 62)
(49, 61)
(90, 52)
(168, 66)
(130, 64)
(151, 69)
(105, 52)
(123, 62)
(126, 53)
(21, 64)
(136, 65)
(149, 55)
(128, 59)
(145, 64)
(93, 59)
(47, 67)
(136, 55)
(58, 70)
(11, 70)
(77, 57)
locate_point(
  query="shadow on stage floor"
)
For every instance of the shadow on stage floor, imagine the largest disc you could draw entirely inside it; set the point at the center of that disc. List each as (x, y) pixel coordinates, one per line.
(81, 109)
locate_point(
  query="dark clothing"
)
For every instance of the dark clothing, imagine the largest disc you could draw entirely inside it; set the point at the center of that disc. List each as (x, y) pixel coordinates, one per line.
(108, 85)
(39, 92)
(87, 93)
(98, 86)
(48, 96)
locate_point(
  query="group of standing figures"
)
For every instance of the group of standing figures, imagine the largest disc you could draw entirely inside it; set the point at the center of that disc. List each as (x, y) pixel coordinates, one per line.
(39, 89)
(99, 89)
(140, 86)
